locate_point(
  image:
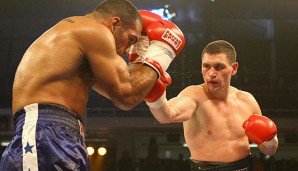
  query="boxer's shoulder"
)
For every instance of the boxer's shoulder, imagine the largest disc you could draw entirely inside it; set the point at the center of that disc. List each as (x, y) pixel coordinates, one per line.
(192, 90)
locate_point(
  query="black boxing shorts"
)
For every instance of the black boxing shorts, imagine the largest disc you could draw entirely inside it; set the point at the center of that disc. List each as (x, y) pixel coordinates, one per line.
(245, 164)
(46, 137)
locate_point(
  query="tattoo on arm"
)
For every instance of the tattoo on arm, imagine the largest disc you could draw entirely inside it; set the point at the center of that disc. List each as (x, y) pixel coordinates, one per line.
(68, 20)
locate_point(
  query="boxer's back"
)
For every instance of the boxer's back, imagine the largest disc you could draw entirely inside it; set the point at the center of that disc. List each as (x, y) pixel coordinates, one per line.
(54, 69)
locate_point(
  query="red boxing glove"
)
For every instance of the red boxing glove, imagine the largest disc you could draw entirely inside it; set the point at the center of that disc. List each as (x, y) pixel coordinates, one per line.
(260, 130)
(156, 92)
(157, 96)
(149, 18)
(167, 32)
(138, 50)
(166, 42)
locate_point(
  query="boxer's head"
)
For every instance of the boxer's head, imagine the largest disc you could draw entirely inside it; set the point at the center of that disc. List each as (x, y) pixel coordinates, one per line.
(221, 46)
(218, 63)
(124, 21)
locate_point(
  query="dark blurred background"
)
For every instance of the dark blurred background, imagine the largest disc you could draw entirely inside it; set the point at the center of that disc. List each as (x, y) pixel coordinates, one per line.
(264, 33)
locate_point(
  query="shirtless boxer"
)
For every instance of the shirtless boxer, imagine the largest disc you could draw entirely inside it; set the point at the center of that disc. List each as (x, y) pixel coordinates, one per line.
(53, 79)
(214, 114)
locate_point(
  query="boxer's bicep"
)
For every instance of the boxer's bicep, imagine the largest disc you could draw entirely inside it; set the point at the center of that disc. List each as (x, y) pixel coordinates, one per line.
(109, 69)
(255, 107)
(111, 74)
(113, 79)
(125, 88)
(184, 107)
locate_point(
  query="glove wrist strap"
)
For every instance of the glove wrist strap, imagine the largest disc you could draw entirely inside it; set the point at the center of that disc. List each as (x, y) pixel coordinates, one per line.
(270, 143)
(161, 52)
(158, 103)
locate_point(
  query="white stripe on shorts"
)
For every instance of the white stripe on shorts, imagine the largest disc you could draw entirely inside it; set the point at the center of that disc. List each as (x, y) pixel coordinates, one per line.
(28, 138)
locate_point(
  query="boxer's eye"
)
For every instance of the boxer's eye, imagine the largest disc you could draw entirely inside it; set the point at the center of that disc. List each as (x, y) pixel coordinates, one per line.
(132, 40)
(206, 66)
(219, 67)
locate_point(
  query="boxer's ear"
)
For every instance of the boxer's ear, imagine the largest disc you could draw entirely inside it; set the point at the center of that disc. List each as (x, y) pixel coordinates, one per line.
(116, 21)
(235, 66)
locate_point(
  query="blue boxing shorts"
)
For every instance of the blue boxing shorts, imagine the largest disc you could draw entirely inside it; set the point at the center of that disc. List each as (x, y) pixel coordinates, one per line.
(46, 137)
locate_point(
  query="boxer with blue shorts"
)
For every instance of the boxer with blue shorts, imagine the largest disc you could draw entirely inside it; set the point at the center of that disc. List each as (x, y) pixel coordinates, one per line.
(47, 137)
(76, 55)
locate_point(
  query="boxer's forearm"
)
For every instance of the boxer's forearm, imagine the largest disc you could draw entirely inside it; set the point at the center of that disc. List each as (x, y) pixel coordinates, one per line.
(164, 114)
(177, 109)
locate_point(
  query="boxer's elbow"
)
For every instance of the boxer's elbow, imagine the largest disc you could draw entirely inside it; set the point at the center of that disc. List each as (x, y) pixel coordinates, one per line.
(164, 121)
(126, 103)
(123, 107)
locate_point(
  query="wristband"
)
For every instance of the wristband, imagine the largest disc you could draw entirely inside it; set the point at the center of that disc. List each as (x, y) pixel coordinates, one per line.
(270, 143)
(158, 103)
(160, 52)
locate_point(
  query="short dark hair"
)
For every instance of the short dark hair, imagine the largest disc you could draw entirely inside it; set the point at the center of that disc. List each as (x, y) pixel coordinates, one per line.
(124, 9)
(221, 46)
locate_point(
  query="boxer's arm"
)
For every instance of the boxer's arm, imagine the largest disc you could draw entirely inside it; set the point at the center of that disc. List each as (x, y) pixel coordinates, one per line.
(262, 131)
(264, 148)
(177, 109)
(269, 150)
(124, 86)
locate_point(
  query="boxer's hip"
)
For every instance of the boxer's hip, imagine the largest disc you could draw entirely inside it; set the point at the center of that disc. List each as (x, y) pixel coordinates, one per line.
(47, 136)
(47, 112)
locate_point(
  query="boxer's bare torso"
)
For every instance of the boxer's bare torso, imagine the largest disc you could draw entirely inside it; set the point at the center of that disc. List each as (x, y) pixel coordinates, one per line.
(214, 131)
(59, 66)
(51, 72)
